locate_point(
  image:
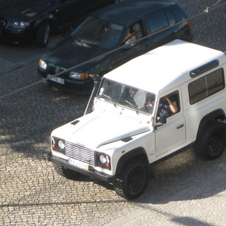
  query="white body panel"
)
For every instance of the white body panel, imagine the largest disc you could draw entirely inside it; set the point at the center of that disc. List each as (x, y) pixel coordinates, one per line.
(116, 131)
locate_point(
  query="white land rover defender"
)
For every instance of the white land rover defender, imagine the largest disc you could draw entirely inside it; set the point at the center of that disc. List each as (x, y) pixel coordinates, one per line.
(144, 110)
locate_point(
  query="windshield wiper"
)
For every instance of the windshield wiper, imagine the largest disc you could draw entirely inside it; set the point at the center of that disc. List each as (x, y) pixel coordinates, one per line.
(134, 107)
(110, 98)
(77, 40)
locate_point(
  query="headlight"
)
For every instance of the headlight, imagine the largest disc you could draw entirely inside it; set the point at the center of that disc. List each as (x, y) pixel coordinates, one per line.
(76, 75)
(61, 144)
(18, 24)
(58, 145)
(104, 161)
(42, 64)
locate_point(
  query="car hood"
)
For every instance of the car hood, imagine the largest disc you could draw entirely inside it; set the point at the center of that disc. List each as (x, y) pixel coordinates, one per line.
(71, 53)
(95, 130)
(20, 10)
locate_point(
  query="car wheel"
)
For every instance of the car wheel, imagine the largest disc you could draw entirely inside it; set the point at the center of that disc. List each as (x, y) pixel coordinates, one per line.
(131, 183)
(67, 173)
(42, 34)
(211, 143)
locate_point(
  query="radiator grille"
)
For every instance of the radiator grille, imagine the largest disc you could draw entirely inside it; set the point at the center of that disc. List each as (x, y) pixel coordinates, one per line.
(80, 153)
(53, 69)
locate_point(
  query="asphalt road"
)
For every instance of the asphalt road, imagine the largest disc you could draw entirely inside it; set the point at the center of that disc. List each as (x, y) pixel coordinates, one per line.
(184, 191)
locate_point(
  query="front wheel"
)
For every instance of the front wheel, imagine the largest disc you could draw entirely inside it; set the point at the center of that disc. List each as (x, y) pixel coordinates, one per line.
(67, 173)
(42, 34)
(131, 183)
(211, 143)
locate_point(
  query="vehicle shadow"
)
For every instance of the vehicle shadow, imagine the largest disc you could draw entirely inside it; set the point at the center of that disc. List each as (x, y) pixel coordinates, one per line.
(185, 177)
(180, 177)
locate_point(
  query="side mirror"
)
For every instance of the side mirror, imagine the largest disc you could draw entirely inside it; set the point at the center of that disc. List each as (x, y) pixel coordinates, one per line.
(128, 46)
(162, 118)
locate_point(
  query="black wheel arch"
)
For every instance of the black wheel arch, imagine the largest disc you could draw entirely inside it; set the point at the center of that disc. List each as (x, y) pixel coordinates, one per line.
(217, 114)
(138, 152)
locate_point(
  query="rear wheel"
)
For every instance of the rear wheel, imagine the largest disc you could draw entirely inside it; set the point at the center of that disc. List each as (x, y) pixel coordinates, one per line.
(70, 174)
(131, 183)
(42, 34)
(211, 143)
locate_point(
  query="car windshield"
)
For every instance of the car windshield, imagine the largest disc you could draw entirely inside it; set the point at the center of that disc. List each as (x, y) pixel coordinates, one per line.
(98, 32)
(126, 96)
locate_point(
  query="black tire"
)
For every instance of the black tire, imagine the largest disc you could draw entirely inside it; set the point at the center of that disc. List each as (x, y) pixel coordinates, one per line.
(42, 34)
(211, 143)
(131, 183)
(67, 173)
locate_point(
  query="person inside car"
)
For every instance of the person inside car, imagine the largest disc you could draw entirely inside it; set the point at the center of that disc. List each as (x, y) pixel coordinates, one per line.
(130, 38)
(168, 106)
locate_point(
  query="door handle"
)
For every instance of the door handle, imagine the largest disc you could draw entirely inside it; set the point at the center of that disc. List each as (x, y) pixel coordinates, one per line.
(182, 125)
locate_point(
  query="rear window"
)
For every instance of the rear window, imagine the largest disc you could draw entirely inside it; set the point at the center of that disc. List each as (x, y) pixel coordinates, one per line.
(206, 86)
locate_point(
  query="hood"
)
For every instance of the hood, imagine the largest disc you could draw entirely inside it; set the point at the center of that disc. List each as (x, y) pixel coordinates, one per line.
(21, 9)
(70, 53)
(95, 130)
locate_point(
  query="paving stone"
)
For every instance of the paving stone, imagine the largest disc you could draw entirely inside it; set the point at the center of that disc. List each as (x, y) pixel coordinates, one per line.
(185, 190)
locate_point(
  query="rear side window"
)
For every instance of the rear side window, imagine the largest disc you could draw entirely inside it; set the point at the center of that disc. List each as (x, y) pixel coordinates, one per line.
(206, 86)
(156, 21)
(171, 18)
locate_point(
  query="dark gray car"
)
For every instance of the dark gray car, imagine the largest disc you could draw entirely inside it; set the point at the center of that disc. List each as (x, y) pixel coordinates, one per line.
(110, 37)
(23, 21)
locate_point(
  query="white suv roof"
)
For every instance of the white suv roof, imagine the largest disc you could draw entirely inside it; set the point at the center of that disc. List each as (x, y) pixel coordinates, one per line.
(168, 65)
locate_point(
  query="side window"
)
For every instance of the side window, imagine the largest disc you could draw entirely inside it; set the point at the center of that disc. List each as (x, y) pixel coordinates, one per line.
(171, 18)
(206, 86)
(134, 33)
(169, 104)
(156, 21)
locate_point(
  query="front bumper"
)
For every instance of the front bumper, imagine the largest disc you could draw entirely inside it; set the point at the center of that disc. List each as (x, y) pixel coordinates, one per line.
(16, 36)
(91, 173)
(69, 85)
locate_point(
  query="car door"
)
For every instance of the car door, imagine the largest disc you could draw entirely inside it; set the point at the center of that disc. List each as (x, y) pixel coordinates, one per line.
(127, 51)
(156, 30)
(170, 135)
(159, 27)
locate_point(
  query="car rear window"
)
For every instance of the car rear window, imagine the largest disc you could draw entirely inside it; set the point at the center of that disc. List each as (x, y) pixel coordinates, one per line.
(156, 22)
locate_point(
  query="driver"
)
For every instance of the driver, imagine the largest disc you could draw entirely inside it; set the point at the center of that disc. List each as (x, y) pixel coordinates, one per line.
(130, 38)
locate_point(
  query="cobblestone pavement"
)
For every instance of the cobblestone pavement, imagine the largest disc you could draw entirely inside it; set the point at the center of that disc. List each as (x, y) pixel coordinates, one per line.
(185, 190)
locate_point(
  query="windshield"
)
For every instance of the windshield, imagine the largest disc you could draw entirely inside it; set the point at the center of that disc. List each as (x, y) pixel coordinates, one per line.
(98, 32)
(127, 96)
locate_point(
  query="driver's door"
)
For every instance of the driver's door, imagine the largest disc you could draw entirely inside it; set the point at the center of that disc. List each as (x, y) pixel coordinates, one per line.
(171, 135)
(126, 51)
(156, 31)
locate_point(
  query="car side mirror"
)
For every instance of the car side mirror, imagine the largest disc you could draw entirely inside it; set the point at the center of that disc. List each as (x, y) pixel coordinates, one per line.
(128, 46)
(162, 119)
